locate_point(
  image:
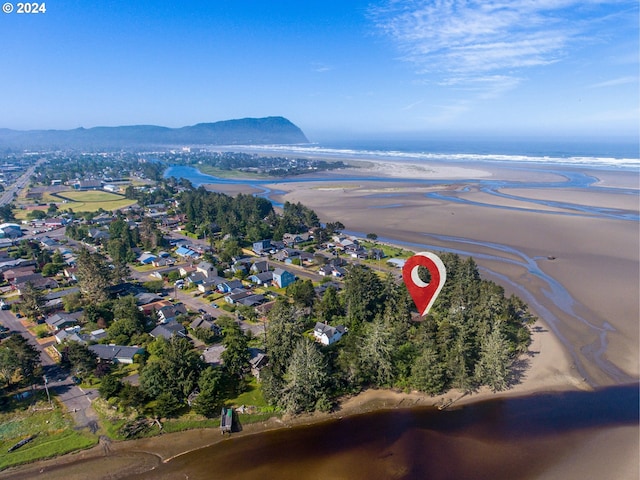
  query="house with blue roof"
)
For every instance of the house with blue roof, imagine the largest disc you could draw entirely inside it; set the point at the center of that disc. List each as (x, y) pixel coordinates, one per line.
(185, 252)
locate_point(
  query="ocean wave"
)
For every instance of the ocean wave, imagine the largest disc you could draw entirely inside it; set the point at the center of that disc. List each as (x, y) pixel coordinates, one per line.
(347, 153)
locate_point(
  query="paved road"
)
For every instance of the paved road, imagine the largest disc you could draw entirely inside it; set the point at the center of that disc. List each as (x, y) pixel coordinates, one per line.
(7, 195)
(76, 400)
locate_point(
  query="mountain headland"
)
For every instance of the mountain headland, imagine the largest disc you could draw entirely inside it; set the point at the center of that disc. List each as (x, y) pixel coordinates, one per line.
(245, 131)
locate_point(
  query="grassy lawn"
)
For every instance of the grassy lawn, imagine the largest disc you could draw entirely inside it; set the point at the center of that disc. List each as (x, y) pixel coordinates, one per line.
(252, 397)
(54, 430)
(389, 251)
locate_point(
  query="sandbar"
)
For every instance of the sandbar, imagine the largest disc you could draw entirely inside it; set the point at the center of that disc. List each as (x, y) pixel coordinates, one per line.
(586, 337)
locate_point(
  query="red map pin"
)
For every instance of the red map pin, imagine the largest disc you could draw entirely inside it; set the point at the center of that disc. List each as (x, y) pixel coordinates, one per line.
(424, 294)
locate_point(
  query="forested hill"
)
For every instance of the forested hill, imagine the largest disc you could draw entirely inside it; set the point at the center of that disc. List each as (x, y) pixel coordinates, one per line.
(245, 131)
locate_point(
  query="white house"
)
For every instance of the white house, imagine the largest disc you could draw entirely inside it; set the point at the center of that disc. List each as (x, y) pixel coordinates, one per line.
(328, 335)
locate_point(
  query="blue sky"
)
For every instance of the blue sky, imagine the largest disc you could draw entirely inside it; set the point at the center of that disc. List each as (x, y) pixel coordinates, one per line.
(335, 68)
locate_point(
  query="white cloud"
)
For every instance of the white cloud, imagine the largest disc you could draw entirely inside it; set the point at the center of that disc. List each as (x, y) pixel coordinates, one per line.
(321, 67)
(465, 40)
(411, 105)
(615, 82)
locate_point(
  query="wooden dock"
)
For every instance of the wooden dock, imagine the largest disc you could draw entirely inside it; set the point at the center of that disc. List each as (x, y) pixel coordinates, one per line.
(226, 420)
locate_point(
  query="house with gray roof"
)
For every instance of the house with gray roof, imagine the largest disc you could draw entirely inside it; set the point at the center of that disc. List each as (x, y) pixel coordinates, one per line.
(116, 353)
(62, 320)
(169, 330)
(328, 335)
(263, 278)
(283, 278)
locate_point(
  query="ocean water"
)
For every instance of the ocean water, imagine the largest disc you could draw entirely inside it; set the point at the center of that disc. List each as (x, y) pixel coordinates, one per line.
(612, 153)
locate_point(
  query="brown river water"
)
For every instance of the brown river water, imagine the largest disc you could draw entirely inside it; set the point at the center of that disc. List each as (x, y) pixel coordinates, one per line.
(509, 438)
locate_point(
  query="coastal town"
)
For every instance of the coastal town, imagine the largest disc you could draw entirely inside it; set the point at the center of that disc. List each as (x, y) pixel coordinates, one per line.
(134, 304)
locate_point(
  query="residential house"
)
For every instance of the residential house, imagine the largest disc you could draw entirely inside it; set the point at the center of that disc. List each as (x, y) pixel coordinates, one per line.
(287, 254)
(186, 270)
(252, 300)
(54, 222)
(322, 288)
(36, 280)
(328, 335)
(54, 299)
(229, 285)
(147, 258)
(13, 273)
(195, 278)
(264, 309)
(202, 322)
(186, 252)
(263, 246)
(258, 361)
(294, 238)
(396, 262)
(207, 269)
(169, 330)
(97, 335)
(163, 262)
(48, 243)
(209, 284)
(264, 278)
(154, 306)
(171, 312)
(99, 235)
(144, 298)
(102, 219)
(239, 267)
(62, 320)
(116, 353)
(259, 266)
(236, 296)
(338, 272)
(283, 278)
(376, 253)
(70, 273)
(70, 334)
(123, 289)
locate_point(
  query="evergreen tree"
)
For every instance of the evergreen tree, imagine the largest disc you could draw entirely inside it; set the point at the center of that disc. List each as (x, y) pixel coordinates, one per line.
(307, 379)
(329, 306)
(33, 301)
(493, 367)
(236, 354)
(428, 373)
(361, 294)
(212, 392)
(94, 276)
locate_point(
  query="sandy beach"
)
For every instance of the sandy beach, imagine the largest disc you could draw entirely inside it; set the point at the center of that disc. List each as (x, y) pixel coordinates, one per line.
(578, 272)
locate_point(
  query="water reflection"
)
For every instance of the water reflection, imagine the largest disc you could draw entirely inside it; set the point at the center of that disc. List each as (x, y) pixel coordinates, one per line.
(498, 439)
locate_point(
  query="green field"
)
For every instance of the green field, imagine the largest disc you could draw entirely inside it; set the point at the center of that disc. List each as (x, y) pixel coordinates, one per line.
(91, 201)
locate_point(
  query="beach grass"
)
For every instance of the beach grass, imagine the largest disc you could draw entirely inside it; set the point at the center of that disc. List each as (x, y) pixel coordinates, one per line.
(53, 430)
